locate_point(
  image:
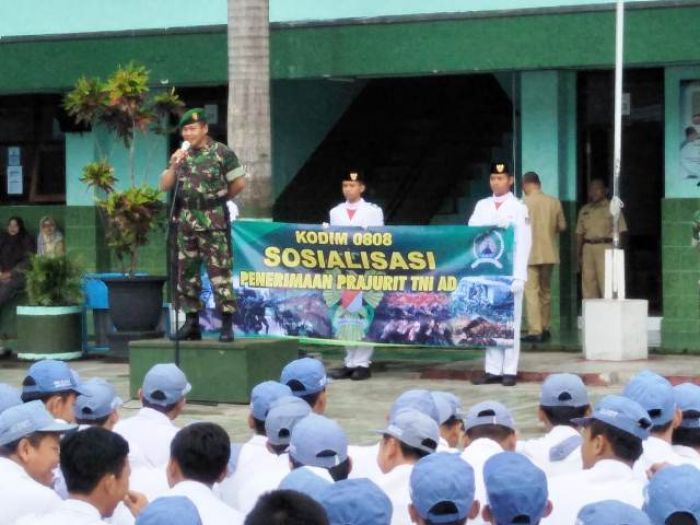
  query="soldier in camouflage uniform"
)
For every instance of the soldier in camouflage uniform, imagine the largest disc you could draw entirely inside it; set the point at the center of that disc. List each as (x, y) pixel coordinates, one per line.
(206, 176)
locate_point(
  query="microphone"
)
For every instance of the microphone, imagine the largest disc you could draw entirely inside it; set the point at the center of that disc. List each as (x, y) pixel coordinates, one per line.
(185, 145)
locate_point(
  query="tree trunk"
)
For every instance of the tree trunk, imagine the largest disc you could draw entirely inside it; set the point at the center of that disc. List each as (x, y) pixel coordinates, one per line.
(248, 118)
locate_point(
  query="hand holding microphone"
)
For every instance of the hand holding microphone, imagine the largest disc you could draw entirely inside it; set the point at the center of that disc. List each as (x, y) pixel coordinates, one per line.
(179, 155)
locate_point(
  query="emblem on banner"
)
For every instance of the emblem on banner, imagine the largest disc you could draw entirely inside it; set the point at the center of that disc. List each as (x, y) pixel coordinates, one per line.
(488, 249)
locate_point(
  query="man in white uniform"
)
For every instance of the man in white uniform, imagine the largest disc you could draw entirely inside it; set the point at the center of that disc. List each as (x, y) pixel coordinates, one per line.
(54, 384)
(451, 423)
(317, 441)
(355, 211)
(612, 442)
(686, 438)
(307, 379)
(503, 210)
(151, 430)
(563, 397)
(29, 452)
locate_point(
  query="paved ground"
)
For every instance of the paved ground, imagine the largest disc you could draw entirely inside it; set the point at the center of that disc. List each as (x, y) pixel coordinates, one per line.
(362, 407)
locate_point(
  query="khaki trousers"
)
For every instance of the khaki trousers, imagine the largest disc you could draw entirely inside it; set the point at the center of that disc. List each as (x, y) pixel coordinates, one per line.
(538, 298)
(593, 270)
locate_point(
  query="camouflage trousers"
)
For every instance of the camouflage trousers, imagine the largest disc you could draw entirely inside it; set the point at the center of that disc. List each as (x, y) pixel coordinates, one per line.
(211, 247)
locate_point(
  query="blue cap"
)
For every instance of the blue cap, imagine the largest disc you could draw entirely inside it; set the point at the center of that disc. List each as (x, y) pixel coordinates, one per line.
(655, 394)
(9, 397)
(356, 502)
(263, 394)
(515, 487)
(415, 429)
(442, 477)
(99, 399)
(283, 415)
(318, 442)
(563, 390)
(416, 399)
(489, 413)
(22, 420)
(307, 480)
(687, 397)
(671, 490)
(165, 384)
(169, 510)
(304, 376)
(448, 405)
(622, 413)
(611, 512)
(50, 377)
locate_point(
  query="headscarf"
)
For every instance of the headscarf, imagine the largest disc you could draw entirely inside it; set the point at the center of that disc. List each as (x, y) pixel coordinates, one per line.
(46, 245)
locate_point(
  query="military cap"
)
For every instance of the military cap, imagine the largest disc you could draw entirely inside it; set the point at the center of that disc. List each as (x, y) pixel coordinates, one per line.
(193, 115)
(354, 176)
(500, 167)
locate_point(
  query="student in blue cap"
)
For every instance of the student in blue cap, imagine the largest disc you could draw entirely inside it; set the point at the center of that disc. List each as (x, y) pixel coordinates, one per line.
(311, 481)
(245, 458)
(98, 404)
(150, 431)
(173, 510)
(489, 429)
(9, 397)
(611, 512)
(686, 437)
(442, 491)
(655, 394)
(54, 384)
(29, 453)
(287, 507)
(563, 398)
(307, 379)
(516, 491)
(409, 436)
(451, 423)
(673, 496)
(612, 443)
(317, 441)
(356, 502)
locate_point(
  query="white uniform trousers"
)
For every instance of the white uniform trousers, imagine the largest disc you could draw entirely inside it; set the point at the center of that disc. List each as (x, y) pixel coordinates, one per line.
(358, 356)
(504, 360)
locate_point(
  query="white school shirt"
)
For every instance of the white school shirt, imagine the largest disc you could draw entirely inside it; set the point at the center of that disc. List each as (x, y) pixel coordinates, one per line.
(212, 510)
(364, 462)
(396, 484)
(657, 450)
(476, 454)
(688, 453)
(538, 451)
(70, 512)
(513, 212)
(607, 479)
(150, 433)
(20, 495)
(366, 214)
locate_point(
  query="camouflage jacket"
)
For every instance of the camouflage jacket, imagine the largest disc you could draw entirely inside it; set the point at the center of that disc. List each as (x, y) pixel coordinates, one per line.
(206, 174)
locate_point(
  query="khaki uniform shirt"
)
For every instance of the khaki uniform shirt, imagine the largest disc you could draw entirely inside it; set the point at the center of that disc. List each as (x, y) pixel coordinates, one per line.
(595, 222)
(547, 220)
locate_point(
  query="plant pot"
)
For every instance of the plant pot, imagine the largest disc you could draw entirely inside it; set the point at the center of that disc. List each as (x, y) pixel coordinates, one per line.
(135, 303)
(49, 332)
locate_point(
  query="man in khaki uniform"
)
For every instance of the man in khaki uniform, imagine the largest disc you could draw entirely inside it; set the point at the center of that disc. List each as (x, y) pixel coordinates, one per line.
(547, 222)
(594, 231)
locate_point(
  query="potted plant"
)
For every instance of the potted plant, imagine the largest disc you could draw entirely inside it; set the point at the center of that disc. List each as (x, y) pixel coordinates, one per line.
(122, 105)
(50, 325)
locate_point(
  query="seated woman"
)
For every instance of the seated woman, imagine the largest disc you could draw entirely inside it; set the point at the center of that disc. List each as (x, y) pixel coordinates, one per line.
(50, 240)
(16, 246)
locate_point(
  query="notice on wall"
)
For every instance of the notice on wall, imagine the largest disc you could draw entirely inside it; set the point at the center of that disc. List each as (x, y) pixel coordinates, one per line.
(14, 156)
(689, 139)
(14, 180)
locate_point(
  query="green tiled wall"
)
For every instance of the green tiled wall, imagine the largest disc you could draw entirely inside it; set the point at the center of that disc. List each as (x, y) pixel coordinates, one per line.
(681, 273)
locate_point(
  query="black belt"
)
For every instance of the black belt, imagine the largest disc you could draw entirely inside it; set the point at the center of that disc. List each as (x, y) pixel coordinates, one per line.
(598, 241)
(200, 202)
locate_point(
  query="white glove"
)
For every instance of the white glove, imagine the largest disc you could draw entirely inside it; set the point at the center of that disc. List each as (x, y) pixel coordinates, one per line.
(517, 286)
(503, 223)
(325, 225)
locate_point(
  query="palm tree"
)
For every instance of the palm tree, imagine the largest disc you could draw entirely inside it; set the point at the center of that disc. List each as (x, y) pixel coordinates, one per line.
(248, 121)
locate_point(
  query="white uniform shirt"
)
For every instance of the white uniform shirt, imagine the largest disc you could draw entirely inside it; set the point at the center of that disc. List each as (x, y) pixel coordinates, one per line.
(607, 479)
(366, 214)
(212, 510)
(657, 450)
(149, 432)
(70, 512)
(538, 450)
(396, 485)
(476, 454)
(688, 453)
(513, 213)
(364, 462)
(20, 495)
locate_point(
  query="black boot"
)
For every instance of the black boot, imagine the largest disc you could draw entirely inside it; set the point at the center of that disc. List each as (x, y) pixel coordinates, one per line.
(189, 331)
(226, 334)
